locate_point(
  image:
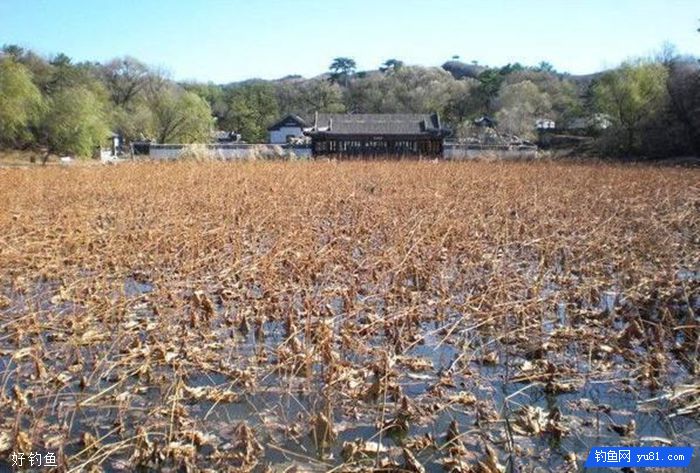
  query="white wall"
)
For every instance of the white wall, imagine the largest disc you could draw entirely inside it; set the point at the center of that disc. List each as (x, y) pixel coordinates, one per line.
(226, 152)
(279, 137)
(457, 153)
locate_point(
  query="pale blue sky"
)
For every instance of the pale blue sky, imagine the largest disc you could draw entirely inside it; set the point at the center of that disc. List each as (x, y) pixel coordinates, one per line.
(224, 41)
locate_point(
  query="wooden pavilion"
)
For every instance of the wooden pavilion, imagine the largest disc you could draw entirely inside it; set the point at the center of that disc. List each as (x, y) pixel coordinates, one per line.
(377, 135)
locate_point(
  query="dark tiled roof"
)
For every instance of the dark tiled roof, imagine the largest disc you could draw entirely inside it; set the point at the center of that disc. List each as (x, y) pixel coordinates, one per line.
(289, 120)
(378, 124)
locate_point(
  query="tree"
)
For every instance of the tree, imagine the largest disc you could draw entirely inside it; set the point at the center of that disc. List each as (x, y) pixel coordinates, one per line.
(563, 95)
(684, 100)
(391, 65)
(135, 124)
(490, 82)
(411, 89)
(63, 74)
(545, 66)
(20, 102)
(138, 95)
(462, 103)
(214, 95)
(179, 116)
(370, 95)
(13, 50)
(60, 60)
(304, 97)
(125, 78)
(41, 71)
(511, 68)
(667, 54)
(251, 109)
(76, 122)
(341, 69)
(521, 104)
(631, 95)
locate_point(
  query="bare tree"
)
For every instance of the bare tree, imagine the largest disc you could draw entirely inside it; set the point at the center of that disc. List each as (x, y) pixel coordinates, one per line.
(126, 77)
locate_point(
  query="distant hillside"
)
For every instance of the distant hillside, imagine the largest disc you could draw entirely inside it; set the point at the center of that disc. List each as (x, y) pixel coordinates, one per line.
(458, 70)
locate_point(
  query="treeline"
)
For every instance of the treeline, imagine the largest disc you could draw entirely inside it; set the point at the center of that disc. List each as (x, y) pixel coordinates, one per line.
(652, 106)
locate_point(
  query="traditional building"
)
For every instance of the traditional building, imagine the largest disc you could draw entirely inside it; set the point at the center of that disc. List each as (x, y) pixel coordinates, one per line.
(285, 130)
(377, 135)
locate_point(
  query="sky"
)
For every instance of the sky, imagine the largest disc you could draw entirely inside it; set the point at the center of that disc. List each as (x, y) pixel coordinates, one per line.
(226, 41)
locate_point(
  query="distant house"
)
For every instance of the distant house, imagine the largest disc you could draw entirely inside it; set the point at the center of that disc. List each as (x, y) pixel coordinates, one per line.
(366, 135)
(543, 124)
(286, 129)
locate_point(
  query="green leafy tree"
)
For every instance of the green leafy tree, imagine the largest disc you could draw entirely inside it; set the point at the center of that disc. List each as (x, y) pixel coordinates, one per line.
(65, 74)
(213, 94)
(40, 69)
(76, 122)
(20, 103)
(251, 109)
(134, 124)
(491, 81)
(631, 95)
(511, 68)
(60, 60)
(391, 65)
(489, 84)
(342, 68)
(13, 50)
(179, 116)
(545, 66)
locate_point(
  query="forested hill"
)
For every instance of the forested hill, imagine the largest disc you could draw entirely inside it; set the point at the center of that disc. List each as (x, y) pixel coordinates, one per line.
(651, 104)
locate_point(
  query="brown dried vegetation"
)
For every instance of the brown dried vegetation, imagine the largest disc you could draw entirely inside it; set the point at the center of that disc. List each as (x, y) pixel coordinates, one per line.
(347, 316)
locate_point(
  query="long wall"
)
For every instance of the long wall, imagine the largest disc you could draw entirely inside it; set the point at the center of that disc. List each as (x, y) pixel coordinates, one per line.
(451, 151)
(226, 151)
(462, 151)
